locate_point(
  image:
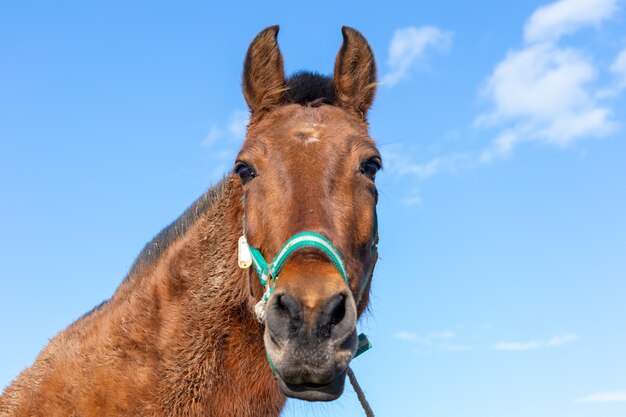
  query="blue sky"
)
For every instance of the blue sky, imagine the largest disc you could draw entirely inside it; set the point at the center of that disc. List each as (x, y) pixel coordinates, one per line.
(501, 287)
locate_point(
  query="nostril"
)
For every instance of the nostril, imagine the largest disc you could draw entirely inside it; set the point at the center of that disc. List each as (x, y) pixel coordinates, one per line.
(331, 315)
(289, 305)
(286, 316)
(336, 309)
(281, 305)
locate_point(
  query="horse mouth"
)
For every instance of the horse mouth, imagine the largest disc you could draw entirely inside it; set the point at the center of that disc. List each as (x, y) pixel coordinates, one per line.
(312, 391)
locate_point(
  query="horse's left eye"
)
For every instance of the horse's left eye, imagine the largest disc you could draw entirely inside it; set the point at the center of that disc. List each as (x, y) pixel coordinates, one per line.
(371, 167)
(245, 172)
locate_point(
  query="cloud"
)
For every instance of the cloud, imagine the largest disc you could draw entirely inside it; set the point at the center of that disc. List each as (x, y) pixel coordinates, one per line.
(618, 68)
(541, 83)
(518, 345)
(456, 348)
(603, 397)
(550, 22)
(556, 341)
(541, 92)
(399, 163)
(443, 335)
(234, 131)
(449, 341)
(544, 92)
(215, 134)
(223, 141)
(560, 340)
(237, 124)
(413, 199)
(409, 45)
(407, 336)
(442, 340)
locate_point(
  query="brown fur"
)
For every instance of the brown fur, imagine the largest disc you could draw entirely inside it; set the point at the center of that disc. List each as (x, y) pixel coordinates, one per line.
(179, 337)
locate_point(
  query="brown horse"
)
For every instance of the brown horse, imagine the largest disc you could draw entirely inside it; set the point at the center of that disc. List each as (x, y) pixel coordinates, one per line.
(180, 336)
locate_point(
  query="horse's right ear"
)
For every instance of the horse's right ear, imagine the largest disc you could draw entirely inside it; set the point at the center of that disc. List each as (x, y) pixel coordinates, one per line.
(355, 73)
(263, 80)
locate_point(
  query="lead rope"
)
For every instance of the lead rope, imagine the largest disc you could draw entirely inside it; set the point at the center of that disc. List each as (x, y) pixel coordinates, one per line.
(359, 393)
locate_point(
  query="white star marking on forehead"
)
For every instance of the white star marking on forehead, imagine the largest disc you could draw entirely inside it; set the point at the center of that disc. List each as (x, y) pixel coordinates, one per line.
(310, 133)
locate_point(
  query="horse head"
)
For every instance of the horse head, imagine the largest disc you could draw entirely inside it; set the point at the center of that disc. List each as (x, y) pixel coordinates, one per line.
(308, 168)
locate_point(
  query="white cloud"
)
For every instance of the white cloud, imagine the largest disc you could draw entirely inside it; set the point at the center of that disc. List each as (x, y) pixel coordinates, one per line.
(556, 341)
(409, 45)
(619, 65)
(618, 68)
(445, 335)
(550, 22)
(215, 134)
(237, 124)
(413, 200)
(222, 142)
(234, 131)
(603, 397)
(456, 348)
(560, 340)
(540, 82)
(541, 92)
(502, 145)
(544, 92)
(408, 336)
(441, 341)
(534, 344)
(399, 162)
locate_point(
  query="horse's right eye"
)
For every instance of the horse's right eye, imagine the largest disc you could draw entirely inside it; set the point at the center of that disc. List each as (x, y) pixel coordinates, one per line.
(245, 172)
(370, 167)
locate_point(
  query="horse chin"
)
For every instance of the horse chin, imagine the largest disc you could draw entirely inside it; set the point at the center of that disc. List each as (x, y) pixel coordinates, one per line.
(311, 372)
(314, 392)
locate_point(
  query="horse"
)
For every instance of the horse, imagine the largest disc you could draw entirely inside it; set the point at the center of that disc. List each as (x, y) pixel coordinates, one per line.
(193, 329)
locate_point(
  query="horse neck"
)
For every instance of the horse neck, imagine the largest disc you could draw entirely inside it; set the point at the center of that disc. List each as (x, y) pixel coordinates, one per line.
(196, 278)
(205, 333)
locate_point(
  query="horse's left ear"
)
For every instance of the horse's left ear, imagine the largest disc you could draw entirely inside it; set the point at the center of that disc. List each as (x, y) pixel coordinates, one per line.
(355, 73)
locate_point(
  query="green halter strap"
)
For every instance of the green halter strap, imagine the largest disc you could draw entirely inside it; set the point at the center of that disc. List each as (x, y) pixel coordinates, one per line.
(266, 271)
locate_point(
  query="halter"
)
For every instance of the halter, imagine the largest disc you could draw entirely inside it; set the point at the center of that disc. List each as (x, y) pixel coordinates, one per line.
(268, 273)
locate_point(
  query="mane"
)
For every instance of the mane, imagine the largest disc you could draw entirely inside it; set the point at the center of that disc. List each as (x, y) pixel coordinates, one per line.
(155, 248)
(309, 88)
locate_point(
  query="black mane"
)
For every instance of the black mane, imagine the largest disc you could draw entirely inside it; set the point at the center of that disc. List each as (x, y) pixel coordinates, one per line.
(309, 88)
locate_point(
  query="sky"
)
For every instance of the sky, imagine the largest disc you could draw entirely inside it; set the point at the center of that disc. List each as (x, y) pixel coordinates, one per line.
(501, 288)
